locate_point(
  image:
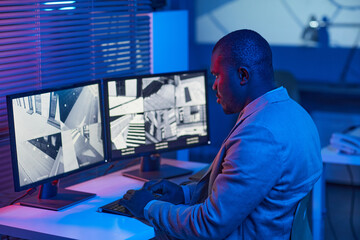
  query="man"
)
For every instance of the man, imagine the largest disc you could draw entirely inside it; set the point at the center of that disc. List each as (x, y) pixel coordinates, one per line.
(267, 164)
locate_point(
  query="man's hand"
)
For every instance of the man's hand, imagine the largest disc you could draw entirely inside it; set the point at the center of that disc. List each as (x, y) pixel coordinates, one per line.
(168, 191)
(136, 200)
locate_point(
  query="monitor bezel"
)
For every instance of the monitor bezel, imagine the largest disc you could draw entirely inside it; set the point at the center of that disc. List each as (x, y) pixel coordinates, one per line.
(11, 124)
(112, 154)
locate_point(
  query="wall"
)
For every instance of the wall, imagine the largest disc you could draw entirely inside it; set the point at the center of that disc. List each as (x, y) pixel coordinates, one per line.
(170, 45)
(282, 24)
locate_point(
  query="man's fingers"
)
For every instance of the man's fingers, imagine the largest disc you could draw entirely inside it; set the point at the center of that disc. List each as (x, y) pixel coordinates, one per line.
(150, 184)
(122, 202)
(131, 191)
(126, 196)
(129, 194)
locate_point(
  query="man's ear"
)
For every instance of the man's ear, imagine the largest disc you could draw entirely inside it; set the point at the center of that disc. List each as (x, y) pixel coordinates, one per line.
(243, 75)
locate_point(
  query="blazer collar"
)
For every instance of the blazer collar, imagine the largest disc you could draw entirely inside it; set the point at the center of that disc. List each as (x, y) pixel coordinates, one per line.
(276, 95)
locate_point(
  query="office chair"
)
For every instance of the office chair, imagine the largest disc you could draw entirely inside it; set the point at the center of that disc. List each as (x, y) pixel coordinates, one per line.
(288, 81)
(300, 229)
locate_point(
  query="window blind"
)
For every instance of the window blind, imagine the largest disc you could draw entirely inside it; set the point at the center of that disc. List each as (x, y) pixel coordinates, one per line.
(44, 43)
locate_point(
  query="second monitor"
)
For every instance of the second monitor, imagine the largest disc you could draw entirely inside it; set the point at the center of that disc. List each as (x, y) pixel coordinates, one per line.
(150, 114)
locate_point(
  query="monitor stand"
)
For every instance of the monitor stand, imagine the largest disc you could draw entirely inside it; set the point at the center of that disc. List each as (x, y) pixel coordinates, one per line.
(151, 169)
(52, 198)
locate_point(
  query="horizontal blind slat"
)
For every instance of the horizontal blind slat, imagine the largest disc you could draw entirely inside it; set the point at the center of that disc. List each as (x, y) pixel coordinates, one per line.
(15, 72)
(44, 44)
(62, 56)
(6, 49)
(19, 65)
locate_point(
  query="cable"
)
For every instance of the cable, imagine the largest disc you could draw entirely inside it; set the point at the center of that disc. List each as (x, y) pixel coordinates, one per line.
(28, 192)
(332, 229)
(292, 13)
(125, 165)
(109, 168)
(3, 237)
(349, 59)
(352, 205)
(334, 15)
(338, 5)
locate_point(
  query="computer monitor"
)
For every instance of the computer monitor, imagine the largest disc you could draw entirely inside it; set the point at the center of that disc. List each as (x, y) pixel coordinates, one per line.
(150, 114)
(54, 133)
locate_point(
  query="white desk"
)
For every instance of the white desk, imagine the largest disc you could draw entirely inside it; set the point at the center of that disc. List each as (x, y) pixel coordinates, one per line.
(329, 155)
(82, 221)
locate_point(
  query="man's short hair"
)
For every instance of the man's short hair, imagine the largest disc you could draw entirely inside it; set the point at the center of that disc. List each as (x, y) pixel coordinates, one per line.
(247, 48)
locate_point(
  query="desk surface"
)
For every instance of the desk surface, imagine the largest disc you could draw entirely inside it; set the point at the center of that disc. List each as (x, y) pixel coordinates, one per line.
(82, 221)
(332, 155)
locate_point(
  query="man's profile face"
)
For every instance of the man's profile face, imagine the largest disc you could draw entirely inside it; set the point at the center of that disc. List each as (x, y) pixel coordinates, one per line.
(226, 84)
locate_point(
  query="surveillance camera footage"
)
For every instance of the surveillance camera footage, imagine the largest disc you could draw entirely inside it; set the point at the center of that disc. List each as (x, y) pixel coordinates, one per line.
(57, 132)
(148, 111)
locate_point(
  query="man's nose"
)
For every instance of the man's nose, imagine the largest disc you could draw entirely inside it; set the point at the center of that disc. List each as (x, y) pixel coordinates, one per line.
(214, 86)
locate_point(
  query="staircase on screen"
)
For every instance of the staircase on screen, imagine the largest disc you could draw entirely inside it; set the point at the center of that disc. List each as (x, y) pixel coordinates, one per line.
(136, 132)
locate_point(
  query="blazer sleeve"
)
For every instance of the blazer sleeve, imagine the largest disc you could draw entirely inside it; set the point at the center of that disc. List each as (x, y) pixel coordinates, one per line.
(251, 166)
(188, 191)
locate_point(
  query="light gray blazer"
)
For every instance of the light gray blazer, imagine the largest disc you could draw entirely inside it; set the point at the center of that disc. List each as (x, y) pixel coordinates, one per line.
(268, 163)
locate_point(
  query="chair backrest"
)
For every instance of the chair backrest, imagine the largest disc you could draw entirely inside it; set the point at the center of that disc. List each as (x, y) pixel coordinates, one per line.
(300, 228)
(288, 81)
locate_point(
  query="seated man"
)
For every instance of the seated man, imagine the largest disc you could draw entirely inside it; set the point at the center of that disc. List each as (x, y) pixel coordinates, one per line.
(267, 164)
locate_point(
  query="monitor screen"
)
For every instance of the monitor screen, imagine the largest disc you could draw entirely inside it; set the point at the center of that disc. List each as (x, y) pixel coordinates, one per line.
(155, 113)
(55, 132)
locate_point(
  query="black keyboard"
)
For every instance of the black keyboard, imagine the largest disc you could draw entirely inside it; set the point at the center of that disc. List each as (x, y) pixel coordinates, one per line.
(115, 208)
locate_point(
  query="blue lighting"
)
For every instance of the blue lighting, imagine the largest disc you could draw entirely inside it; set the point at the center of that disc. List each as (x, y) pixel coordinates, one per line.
(314, 24)
(67, 8)
(61, 2)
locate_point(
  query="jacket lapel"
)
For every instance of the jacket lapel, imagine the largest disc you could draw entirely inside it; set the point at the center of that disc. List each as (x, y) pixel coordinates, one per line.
(204, 186)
